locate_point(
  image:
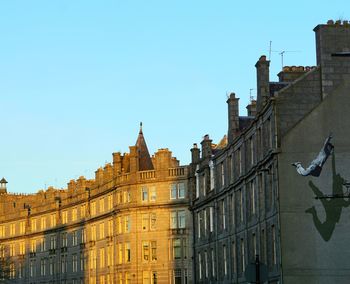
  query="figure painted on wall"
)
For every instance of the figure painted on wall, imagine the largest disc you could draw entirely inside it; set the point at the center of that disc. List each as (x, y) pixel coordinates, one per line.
(332, 206)
(315, 167)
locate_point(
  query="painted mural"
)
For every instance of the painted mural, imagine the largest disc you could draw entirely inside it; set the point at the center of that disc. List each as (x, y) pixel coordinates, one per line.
(333, 203)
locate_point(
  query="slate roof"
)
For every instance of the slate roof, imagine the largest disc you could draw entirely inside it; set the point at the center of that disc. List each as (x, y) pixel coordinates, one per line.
(145, 161)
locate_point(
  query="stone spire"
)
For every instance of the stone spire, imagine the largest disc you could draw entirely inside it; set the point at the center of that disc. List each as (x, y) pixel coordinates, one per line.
(145, 161)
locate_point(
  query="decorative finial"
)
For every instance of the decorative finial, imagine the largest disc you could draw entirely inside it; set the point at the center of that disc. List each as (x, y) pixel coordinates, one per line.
(140, 126)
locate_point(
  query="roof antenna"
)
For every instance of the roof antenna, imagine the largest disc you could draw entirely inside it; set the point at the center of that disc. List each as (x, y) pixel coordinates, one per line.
(251, 97)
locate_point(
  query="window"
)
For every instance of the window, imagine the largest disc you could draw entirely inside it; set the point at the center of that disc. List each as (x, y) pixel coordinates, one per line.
(173, 191)
(64, 239)
(144, 194)
(110, 228)
(145, 251)
(82, 261)
(119, 197)
(223, 214)
(2, 231)
(43, 223)
(205, 221)
(153, 193)
(93, 208)
(32, 268)
(199, 220)
(153, 218)
(154, 250)
(239, 157)
(199, 266)
(127, 252)
(110, 255)
(33, 246)
(92, 259)
(13, 228)
(177, 191)
(12, 250)
(82, 211)
(233, 208)
(212, 263)
(222, 168)
(74, 214)
(75, 238)
(254, 246)
(124, 196)
(64, 217)
(53, 220)
(145, 222)
(102, 257)
(145, 277)
(177, 276)
(177, 248)
(178, 219)
(251, 148)
(225, 260)
(242, 256)
(241, 204)
(212, 180)
(22, 248)
(128, 279)
(206, 270)
(52, 265)
(102, 205)
(93, 233)
(20, 270)
(110, 201)
(102, 231)
(83, 236)
(53, 242)
(33, 226)
(211, 219)
(234, 269)
(120, 254)
(273, 253)
(204, 184)
(43, 244)
(127, 223)
(42, 267)
(252, 197)
(12, 271)
(22, 228)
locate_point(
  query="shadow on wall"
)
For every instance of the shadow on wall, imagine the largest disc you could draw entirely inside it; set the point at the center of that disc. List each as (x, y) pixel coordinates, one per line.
(332, 206)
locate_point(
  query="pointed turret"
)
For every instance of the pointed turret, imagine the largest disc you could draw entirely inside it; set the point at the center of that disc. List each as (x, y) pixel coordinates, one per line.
(145, 162)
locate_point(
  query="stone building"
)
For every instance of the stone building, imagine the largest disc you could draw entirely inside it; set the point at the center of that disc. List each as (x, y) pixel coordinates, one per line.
(131, 224)
(248, 199)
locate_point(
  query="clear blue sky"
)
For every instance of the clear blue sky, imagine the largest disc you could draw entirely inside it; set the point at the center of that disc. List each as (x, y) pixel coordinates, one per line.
(77, 77)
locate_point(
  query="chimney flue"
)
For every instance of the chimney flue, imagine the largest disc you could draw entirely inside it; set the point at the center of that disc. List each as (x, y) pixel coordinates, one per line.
(263, 80)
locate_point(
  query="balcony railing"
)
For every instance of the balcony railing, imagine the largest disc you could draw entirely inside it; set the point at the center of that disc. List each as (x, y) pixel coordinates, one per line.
(175, 172)
(147, 175)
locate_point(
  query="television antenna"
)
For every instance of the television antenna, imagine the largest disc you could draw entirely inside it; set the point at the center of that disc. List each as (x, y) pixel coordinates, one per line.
(281, 53)
(251, 97)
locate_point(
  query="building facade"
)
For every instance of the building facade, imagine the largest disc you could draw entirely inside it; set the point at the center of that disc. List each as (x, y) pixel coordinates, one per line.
(279, 188)
(131, 224)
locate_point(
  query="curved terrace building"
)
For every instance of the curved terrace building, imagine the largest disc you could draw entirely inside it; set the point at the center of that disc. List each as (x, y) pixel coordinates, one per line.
(130, 224)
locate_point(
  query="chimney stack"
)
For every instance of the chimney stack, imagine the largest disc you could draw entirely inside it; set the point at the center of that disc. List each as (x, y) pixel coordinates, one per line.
(206, 147)
(251, 108)
(233, 117)
(333, 53)
(263, 81)
(195, 152)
